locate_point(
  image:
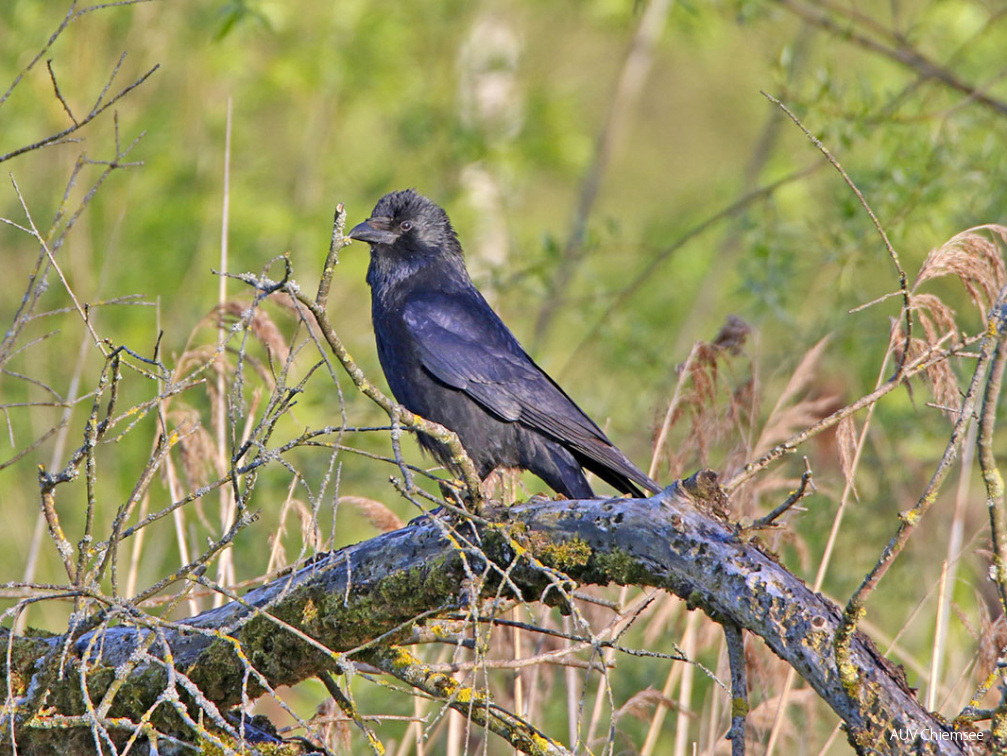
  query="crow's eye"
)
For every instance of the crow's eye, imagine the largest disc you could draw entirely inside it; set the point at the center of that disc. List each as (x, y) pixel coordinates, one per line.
(406, 225)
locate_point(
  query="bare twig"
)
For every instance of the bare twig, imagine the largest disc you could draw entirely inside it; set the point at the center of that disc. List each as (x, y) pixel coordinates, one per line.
(911, 368)
(664, 254)
(59, 95)
(795, 496)
(347, 706)
(96, 110)
(332, 258)
(903, 280)
(900, 51)
(72, 14)
(739, 687)
(471, 702)
(47, 484)
(987, 460)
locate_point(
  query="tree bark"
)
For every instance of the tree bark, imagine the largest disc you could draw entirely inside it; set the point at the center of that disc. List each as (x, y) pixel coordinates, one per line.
(374, 594)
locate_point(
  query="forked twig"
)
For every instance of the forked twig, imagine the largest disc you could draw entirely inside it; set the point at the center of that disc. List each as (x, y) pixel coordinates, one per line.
(795, 496)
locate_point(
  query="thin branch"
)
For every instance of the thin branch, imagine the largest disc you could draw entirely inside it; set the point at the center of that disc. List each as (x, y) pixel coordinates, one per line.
(795, 496)
(664, 254)
(903, 280)
(995, 491)
(345, 703)
(470, 702)
(96, 111)
(930, 357)
(900, 52)
(739, 687)
(59, 95)
(987, 460)
(35, 444)
(910, 519)
(47, 485)
(332, 258)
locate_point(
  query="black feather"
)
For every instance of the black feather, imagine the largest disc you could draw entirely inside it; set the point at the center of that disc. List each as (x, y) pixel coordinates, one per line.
(448, 357)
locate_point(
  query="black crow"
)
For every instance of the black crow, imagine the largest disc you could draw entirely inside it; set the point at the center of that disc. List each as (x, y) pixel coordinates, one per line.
(449, 358)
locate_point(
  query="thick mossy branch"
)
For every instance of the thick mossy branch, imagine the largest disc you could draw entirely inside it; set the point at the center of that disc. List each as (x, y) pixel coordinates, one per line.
(361, 600)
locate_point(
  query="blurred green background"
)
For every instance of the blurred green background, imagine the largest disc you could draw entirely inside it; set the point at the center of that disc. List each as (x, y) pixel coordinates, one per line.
(709, 202)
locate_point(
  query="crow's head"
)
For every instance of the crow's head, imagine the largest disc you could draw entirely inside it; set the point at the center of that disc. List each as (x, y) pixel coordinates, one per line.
(406, 224)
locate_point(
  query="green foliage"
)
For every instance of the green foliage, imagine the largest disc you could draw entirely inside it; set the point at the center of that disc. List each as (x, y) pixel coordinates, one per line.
(341, 102)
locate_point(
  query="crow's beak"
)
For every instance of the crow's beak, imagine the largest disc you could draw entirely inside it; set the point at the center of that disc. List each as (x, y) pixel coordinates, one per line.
(374, 231)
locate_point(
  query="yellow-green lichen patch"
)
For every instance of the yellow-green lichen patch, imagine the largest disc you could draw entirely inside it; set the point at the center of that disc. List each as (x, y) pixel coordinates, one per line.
(566, 555)
(910, 517)
(440, 630)
(403, 658)
(849, 676)
(819, 642)
(309, 613)
(226, 744)
(540, 744)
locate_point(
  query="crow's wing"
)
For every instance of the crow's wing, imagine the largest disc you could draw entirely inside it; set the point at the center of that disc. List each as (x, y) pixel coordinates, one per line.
(462, 343)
